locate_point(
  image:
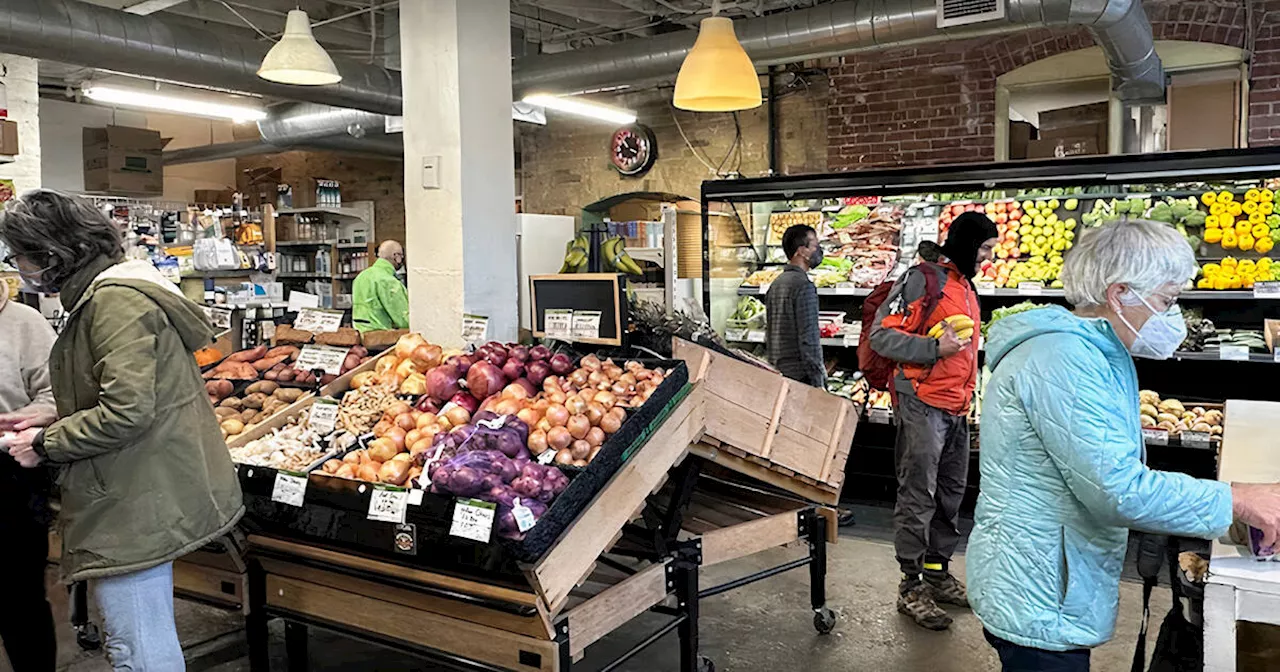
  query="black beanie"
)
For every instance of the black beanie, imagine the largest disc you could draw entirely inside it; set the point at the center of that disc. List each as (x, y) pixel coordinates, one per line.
(967, 233)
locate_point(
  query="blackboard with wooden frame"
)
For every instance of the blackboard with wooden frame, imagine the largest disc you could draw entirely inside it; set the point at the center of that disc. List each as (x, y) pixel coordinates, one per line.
(581, 291)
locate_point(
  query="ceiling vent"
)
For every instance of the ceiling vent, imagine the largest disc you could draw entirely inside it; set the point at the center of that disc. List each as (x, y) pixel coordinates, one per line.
(962, 12)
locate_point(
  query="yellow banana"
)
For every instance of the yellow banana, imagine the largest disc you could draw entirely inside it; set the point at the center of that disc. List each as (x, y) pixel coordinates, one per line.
(959, 322)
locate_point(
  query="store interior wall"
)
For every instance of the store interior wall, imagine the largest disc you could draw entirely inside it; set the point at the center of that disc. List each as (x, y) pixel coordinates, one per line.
(19, 76)
(565, 164)
(362, 179)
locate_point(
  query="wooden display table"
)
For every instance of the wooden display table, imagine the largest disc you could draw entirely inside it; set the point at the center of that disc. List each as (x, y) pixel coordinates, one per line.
(1241, 588)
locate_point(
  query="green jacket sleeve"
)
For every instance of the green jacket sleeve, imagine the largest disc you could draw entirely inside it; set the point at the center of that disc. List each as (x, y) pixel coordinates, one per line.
(395, 300)
(124, 353)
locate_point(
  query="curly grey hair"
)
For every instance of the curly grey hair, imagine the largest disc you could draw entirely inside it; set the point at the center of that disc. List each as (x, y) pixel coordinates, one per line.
(1139, 253)
(58, 231)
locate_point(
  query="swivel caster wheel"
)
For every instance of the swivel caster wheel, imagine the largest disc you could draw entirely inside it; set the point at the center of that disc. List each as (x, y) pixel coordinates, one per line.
(88, 637)
(705, 664)
(824, 620)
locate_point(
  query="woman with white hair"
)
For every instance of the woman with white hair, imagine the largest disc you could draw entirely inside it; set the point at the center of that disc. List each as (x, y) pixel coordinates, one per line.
(1062, 460)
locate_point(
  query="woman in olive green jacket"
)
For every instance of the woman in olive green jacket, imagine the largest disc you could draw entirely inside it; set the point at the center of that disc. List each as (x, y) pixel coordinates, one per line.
(146, 477)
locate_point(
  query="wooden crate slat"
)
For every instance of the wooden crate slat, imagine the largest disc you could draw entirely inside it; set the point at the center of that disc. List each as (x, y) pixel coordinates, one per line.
(610, 609)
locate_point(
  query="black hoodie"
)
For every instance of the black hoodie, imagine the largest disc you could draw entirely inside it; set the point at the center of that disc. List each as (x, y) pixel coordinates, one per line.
(967, 233)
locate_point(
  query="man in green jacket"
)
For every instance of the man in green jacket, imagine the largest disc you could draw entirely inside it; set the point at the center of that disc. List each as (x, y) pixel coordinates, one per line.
(379, 300)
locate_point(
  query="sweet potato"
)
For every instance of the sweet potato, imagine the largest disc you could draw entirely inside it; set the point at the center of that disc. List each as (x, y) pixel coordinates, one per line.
(263, 386)
(218, 389)
(250, 355)
(267, 362)
(283, 350)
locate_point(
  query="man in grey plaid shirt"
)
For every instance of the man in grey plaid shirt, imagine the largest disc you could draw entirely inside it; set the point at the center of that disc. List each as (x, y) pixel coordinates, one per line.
(795, 345)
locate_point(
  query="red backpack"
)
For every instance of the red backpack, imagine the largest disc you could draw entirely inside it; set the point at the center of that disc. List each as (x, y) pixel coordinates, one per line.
(876, 369)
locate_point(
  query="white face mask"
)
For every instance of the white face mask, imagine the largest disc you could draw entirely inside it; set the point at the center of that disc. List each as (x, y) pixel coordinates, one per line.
(1162, 333)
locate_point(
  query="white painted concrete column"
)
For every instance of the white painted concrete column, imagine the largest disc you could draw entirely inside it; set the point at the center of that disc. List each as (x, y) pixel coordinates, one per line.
(19, 75)
(460, 237)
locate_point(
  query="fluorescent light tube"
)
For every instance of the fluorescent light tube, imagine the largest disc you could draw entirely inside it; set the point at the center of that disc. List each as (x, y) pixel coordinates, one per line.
(169, 103)
(583, 108)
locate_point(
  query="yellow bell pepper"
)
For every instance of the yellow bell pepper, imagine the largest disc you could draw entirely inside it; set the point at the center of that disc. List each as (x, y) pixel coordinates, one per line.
(1249, 207)
(1218, 209)
(1204, 283)
(1252, 195)
(1212, 269)
(1208, 198)
(1226, 197)
(1266, 195)
(1245, 242)
(1266, 207)
(1263, 246)
(1212, 235)
(1234, 209)
(1260, 231)
(1246, 283)
(1228, 241)
(1257, 218)
(1229, 262)
(1243, 227)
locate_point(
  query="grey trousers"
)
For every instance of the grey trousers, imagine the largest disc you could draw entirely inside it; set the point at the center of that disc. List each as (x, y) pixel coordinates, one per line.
(932, 458)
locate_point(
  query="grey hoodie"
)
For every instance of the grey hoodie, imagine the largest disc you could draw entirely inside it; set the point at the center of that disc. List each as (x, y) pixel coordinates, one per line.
(24, 363)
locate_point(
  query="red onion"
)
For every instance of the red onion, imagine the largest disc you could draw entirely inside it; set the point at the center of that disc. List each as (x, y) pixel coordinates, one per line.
(463, 362)
(537, 371)
(484, 380)
(496, 357)
(513, 369)
(527, 385)
(539, 352)
(466, 401)
(561, 364)
(519, 352)
(442, 381)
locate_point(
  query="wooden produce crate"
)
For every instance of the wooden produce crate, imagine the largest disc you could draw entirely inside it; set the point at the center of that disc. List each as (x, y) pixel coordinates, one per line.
(759, 421)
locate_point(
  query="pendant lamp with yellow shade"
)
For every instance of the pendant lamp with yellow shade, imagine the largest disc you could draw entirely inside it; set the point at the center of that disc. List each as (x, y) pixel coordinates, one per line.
(717, 75)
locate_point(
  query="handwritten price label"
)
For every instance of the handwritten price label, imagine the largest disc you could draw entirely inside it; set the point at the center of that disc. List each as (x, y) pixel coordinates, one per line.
(1155, 437)
(318, 321)
(558, 324)
(475, 328)
(290, 488)
(323, 357)
(473, 519)
(324, 416)
(388, 504)
(586, 325)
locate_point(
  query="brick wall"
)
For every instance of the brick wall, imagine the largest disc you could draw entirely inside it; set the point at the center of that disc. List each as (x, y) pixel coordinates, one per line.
(565, 164)
(362, 180)
(936, 103)
(20, 80)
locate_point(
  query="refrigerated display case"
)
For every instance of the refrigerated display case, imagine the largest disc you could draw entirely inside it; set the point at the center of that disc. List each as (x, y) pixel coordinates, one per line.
(871, 223)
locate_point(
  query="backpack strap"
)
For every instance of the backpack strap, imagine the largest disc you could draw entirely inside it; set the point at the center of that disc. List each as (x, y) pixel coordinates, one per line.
(1154, 550)
(932, 290)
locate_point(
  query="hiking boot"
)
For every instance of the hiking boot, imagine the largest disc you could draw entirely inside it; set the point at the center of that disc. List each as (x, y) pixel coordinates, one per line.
(947, 590)
(915, 599)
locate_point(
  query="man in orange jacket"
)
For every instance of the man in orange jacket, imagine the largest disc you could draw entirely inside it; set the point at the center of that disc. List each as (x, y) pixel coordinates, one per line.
(933, 386)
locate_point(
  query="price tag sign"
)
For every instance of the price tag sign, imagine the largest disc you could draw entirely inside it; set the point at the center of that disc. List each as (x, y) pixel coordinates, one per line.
(220, 318)
(1276, 355)
(290, 488)
(1233, 353)
(1268, 289)
(300, 300)
(1031, 288)
(1155, 436)
(586, 325)
(388, 504)
(547, 457)
(473, 519)
(558, 324)
(324, 416)
(323, 357)
(880, 416)
(735, 334)
(1197, 439)
(986, 286)
(755, 337)
(524, 517)
(850, 340)
(318, 321)
(763, 289)
(475, 328)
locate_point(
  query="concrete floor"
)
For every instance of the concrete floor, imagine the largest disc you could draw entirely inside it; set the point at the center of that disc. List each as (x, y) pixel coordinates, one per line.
(763, 627)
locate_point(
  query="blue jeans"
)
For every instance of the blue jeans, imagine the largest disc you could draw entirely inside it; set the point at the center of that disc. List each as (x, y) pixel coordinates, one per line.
(137, 617)
(1015, 658)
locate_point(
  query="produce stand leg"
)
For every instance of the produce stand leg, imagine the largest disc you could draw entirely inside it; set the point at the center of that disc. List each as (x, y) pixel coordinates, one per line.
(687, 597)
(823, 618)
(295, 646)
(256, 620)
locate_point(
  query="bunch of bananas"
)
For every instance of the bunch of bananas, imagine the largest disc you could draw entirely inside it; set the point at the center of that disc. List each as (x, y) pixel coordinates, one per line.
(616, 258)
(576, 255)
(961, 323)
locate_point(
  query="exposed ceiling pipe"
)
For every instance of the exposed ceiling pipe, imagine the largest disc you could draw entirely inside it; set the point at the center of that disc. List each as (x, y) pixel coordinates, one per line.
(1119, 26)
(79, 33)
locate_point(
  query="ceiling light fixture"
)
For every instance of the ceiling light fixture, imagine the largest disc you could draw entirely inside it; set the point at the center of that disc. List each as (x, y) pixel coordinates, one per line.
(717, 74)
(583, 108)
(150, 100)
(297, 58)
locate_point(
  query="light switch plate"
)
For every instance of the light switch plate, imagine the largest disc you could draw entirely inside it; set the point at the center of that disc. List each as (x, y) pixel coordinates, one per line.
(431, 172)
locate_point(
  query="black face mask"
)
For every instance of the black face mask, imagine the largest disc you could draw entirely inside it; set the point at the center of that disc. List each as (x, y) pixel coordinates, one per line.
(815, 258)
(967, 234)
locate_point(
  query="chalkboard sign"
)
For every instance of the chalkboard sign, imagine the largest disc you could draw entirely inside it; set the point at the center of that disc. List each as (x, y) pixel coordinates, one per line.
(586, 293)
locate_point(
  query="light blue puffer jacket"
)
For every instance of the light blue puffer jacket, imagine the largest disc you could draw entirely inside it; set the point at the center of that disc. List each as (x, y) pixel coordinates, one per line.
(1063, 481)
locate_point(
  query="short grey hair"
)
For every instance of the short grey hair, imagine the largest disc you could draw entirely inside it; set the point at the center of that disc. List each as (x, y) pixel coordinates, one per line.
(1139, 253)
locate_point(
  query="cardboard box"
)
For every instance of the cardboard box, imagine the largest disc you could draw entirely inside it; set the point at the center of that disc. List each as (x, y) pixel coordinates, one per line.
(215, 196)
(1062, 147)
(9, 138)
(313, 192)
(123, 160)
(1020, 133)
(1072, 116)
(1271, 332)
(636, 211)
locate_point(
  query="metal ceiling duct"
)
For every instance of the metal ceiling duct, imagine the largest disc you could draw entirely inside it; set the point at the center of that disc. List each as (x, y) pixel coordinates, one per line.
(1120, 27)
(82, 34)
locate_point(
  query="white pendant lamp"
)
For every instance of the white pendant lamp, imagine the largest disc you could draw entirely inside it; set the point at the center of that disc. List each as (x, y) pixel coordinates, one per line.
(717, 74)
(297, 58)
